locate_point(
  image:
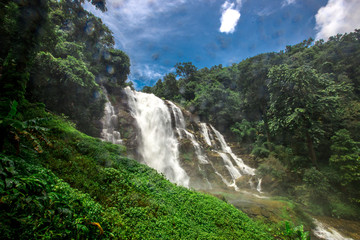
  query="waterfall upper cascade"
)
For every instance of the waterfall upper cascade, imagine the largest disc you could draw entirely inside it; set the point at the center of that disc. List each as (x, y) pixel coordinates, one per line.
(187, 152)
(158, 145)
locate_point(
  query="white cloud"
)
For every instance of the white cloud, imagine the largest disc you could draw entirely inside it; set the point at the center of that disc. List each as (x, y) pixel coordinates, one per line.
(127, 18)
(136, 23)
(338, 16)
(287, 2)
(230, 16)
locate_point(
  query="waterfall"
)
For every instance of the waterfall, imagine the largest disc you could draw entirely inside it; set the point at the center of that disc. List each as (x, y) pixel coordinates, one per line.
(226, 149)
(158, 144)
(160, 125)
(109, 121)
(205, 178)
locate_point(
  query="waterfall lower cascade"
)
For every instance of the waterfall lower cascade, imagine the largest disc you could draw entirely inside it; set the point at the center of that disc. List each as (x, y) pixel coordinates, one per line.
(109, 123)
(158, 144)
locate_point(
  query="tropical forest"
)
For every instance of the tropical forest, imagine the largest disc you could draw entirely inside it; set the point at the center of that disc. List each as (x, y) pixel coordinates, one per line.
(266, 147)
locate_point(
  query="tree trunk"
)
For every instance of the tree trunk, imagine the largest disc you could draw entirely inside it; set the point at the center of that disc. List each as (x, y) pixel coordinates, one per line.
(311, 149)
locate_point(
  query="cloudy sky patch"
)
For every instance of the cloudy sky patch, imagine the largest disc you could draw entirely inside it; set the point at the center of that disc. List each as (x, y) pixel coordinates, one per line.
(229, 17)
(338, 16)
(287, 2)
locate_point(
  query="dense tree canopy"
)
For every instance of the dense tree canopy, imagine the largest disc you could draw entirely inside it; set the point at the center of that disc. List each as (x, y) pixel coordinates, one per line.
(60, 58)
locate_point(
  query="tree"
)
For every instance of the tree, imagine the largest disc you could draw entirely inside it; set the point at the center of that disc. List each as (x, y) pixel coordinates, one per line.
(300, 99)
(117, 65)
(158, 89)
(345, 156)
(185, 70)
(20, 31)
(171, 90)
(74, 56)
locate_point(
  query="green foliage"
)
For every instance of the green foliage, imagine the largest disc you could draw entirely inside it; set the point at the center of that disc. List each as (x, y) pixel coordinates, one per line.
(17, 132)
(297, 232)
(37, 204)
(260, 151)
(244, 131)
(306, 94)
(171, 91)
(345, 156)
(272, 167)
(19, 37)
(341, 209)
(316, 183)
(74, 57)
(117, 66)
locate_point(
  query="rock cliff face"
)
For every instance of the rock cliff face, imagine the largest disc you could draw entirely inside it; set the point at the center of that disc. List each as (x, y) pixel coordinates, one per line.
(207, 160)
(126, 124)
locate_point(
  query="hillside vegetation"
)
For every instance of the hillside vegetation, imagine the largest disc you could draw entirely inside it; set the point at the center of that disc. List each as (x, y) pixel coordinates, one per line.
(81, 187)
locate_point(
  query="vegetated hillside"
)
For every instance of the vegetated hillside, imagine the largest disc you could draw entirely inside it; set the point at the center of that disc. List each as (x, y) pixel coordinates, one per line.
(59, 183)
(297, 111)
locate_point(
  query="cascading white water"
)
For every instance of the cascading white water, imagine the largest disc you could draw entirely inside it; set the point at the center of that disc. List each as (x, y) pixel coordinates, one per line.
(258, 188)
(180, 127)
(326, 232)
(158, 144)
(179, 118)
(226, 149)
(199, 154)
(235, 174)
(109, 121)
(205, 133)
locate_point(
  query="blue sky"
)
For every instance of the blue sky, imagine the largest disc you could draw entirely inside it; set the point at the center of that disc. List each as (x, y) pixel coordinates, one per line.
(157, 34)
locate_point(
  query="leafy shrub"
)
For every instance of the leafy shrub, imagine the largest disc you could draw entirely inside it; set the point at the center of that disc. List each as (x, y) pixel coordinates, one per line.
(244, 131)
(341, 209)
(36, 204)
(260, 152)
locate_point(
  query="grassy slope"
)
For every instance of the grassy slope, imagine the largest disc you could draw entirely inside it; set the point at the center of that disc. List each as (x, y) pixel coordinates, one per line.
(80, 186)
